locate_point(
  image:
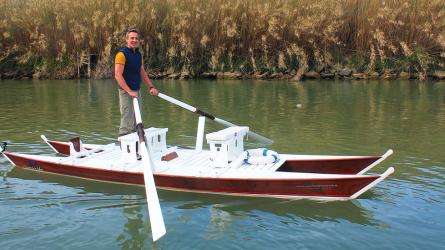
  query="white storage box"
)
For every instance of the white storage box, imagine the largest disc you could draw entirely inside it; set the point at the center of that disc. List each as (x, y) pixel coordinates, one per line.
(156, 139)
(226, 145)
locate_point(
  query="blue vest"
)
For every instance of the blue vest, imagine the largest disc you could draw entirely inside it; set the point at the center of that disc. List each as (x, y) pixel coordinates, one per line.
(132, 69)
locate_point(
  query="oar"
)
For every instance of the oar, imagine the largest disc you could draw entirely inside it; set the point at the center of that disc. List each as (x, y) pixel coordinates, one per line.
(154, 208)
(212, 117)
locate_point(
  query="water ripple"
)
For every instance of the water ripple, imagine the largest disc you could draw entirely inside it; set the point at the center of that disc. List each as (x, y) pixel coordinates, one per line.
(336, 117)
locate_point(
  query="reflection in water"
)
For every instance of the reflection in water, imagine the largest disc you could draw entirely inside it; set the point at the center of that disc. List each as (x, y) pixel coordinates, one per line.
(302, 209)
(219, 215)
(220, 223)
(240, 207)
(135, 230)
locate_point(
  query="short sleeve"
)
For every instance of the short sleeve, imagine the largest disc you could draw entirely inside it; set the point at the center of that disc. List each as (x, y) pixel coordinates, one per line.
(120, 58)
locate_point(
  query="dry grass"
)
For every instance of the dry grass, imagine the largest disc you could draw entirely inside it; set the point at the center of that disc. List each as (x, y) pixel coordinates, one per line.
(247, 35)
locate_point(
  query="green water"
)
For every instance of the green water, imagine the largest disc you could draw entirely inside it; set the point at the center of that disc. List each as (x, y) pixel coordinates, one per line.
(406, 211)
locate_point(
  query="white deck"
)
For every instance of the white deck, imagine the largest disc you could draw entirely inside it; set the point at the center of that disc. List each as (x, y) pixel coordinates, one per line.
(188, 163)
(223, 160)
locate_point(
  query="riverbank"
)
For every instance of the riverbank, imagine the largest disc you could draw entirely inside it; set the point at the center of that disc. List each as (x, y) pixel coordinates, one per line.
(344, 73)
(264, 39)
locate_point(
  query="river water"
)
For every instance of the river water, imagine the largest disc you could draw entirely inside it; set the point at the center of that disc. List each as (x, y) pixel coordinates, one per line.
(406, 211)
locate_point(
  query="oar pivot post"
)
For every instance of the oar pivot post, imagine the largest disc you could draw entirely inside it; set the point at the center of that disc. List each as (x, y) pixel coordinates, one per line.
(3, 146)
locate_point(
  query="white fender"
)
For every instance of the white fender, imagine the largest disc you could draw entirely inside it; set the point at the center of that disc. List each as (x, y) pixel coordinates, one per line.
(261, 156)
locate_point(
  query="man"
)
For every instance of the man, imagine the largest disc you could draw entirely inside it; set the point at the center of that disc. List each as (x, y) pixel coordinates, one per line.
(129, 72)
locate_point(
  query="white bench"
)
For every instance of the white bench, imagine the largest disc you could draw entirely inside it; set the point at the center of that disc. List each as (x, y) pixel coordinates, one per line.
(156, 139)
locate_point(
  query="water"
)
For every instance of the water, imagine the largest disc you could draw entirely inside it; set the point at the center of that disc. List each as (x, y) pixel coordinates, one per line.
(45, 211)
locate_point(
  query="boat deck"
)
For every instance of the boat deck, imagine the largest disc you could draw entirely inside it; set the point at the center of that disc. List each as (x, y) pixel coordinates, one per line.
(188, 163)
(194, 163)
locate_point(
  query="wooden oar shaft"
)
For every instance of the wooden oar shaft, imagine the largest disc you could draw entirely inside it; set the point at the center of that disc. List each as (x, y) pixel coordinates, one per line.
(186, 106)
(177, 102)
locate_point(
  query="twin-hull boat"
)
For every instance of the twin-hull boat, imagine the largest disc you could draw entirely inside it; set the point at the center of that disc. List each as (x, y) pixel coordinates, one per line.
(143, 158)
(226, 168)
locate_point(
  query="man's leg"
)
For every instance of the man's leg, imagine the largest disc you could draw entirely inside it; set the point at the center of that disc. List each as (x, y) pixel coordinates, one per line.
(128, 121)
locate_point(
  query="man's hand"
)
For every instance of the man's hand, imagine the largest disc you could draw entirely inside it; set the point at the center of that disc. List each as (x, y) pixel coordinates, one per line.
(133, 94)
(154, 91)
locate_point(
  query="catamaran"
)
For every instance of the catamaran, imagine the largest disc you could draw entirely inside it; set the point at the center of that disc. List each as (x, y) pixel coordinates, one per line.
(225, 168)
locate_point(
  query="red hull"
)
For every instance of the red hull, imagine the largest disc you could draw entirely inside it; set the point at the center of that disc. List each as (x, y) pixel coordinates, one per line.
(61, 147)
(330, 166)
(333, 187)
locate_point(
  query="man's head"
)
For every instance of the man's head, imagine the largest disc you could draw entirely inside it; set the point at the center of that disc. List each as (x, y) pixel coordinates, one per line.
(132, 38)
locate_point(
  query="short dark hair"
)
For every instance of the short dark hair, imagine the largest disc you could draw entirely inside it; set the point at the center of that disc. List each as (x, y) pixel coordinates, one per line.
(132, 30)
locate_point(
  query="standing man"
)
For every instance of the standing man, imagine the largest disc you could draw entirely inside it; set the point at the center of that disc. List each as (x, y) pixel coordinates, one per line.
(129, 72)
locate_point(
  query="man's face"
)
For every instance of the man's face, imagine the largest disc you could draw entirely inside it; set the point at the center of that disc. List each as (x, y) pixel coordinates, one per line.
(132, 40)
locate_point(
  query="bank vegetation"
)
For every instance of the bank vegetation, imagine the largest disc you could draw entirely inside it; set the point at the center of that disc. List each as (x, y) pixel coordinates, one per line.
(225, 39)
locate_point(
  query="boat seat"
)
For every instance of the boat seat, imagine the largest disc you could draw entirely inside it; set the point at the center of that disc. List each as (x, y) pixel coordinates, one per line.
(226, 145)
(226, 134)
(76, 148)
(156, 138)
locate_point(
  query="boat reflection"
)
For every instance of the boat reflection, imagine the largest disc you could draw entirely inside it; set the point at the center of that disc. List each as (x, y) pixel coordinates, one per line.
(135, 231)
(310, 210)
(218, 214)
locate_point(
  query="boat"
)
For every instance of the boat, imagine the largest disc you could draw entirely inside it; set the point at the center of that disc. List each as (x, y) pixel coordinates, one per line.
(225, 168)
(216, 170)
(222, 169)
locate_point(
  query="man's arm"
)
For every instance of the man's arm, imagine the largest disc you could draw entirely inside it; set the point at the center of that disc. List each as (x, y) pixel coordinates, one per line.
(118, 75)
(147, 81)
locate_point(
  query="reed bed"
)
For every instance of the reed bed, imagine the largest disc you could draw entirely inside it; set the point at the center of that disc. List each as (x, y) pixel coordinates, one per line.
(54, 39)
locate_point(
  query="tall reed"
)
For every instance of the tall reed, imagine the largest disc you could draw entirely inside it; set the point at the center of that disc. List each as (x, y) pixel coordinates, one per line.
(55, 37)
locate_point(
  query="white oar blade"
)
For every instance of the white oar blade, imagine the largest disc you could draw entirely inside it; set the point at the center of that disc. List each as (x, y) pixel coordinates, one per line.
(154, 208)
(260, 138)
(254, 135)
